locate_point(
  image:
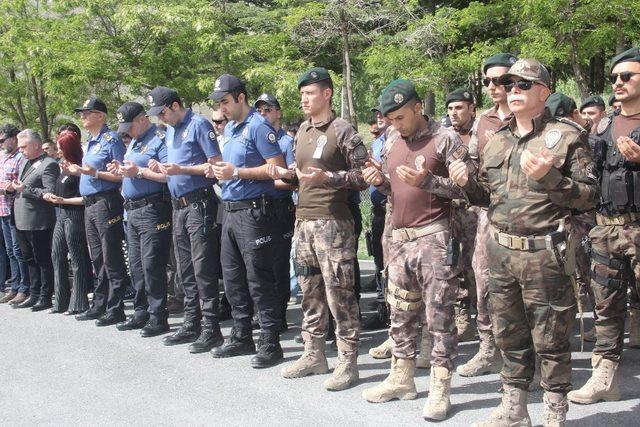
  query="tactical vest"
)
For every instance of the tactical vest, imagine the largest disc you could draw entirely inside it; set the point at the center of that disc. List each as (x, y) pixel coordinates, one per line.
(620, 182)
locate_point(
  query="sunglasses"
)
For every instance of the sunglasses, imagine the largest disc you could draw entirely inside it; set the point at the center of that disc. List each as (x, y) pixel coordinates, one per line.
(488, 80)
(219, 122)
(625, 76)
(522, 85)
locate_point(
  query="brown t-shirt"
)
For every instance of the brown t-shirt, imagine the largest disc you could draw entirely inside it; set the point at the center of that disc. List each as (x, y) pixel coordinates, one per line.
(336, 147)
(624, 125)
(413, 206)
(489, 120)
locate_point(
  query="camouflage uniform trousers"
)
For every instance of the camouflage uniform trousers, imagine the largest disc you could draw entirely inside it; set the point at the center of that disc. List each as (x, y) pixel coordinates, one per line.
(533, 307)
(621, 244)
(480, 264)
(581, 225)
(465, 223)
(418, 266)
(328, 247)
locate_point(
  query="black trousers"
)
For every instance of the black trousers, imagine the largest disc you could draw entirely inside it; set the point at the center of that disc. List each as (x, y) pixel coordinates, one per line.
(377, 230)
(248, 238)
(70, 242)
(103, 224)
(285, 221)
(149, 237)
(36, 251)
(196, 242)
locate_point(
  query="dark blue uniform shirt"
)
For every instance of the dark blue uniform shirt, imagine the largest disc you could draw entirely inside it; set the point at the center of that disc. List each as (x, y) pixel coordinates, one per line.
(377, 198)
(286, 146)
(101, 150)
(148, 146)
(248, 145)
(190, 143)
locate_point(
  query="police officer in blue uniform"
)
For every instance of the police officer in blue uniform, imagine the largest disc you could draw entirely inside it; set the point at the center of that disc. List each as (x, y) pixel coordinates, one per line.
(191, 145)
(269, 107)
(249, 230)
(148, 207)
(103, 214)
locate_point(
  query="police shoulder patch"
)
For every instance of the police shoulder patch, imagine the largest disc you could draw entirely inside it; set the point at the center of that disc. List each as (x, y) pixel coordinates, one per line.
(552, 137)
(212, 136)
(271, 137)
(603, 125)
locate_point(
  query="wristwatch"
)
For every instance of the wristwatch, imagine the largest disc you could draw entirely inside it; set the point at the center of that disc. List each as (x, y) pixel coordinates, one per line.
(139, 174)
(235, 175)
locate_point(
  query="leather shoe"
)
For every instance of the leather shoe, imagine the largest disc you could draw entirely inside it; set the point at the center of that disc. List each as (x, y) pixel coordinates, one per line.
(238, 344)
(269, 351)
(154, 328)
(19, 299)
(8, 297)
(188, 332)
(89, 315)
(209, 337)
(28, 303)
(111, 319)
(42, 304)
(131, 324)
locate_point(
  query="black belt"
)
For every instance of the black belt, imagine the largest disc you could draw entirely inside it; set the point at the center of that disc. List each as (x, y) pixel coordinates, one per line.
(95, 198)
(238, 205)
(132, 204)
(192, 197)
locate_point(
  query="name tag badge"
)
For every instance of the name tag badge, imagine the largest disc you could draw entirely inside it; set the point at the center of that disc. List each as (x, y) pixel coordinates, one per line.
(64, 179)
(320, 143)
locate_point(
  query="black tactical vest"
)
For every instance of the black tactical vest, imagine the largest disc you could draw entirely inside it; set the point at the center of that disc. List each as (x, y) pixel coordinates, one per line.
(620, 182)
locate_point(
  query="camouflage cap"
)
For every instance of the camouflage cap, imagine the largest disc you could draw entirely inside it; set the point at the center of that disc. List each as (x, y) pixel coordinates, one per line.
(631, 55)
(396, 95)
(499, 60)
(528, 69)
(460, 94)
(592, 101)
(314, 75)
(560, 105)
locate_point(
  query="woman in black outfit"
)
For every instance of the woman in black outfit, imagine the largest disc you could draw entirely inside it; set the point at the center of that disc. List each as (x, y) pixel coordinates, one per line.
(69, 235)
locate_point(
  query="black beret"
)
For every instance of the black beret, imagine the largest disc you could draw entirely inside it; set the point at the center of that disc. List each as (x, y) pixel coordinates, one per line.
(314, 75)
(631, 55)
(593, 101)
(560, 105)
(460, 94)
(498, 60)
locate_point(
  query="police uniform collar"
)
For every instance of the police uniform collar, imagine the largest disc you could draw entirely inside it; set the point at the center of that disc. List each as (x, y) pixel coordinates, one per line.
(330, 118)
(145, 135)
(538, 122)
(237, 125)
(104, 130)
(281, 132)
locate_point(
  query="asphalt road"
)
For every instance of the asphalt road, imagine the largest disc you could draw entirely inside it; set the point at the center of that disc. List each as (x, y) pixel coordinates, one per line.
(58, 371)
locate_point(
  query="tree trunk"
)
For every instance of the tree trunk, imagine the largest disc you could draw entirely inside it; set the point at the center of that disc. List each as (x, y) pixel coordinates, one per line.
(430, 103)
(18, 107)
(353, 117)
(579, 74)
(41, 103)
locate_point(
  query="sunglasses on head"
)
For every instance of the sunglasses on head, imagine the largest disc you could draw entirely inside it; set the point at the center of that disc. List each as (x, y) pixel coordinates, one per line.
(625, 76)
(522, 85)
(488, 80)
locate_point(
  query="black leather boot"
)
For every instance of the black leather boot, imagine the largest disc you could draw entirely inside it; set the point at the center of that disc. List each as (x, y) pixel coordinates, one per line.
(209, 337)
(154, 328)
(42, 304)
(188, 332)
(238, 344)
(269, 350)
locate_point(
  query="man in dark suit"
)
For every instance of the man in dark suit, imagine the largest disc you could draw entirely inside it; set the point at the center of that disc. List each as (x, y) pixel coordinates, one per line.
(35, 218)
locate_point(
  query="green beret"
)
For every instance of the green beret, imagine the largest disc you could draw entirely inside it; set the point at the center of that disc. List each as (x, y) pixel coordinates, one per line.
(314, 75)
(498, 60)
(612, 99)
(560, 105)
(631, 55)
(460, 94)
(592, 101)
(396, 95)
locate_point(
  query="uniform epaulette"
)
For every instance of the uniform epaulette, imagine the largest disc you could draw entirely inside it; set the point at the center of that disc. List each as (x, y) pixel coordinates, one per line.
(569, 122)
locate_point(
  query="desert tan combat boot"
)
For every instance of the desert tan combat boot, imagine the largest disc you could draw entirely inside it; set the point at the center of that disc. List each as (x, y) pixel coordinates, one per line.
(398, 385)
(426, 345)
(603, 384)
(312, 361)
(486, 361)
(512, 412)
(466, 326)
(634, 328)
(345, 373)
(383, 351)
(555, 409)
(438, 402)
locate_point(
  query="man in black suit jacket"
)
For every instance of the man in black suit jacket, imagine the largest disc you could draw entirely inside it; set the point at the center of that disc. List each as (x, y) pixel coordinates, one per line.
(34, 217)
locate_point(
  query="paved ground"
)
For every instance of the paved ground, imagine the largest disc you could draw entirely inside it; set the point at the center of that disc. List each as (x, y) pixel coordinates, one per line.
(62, 372)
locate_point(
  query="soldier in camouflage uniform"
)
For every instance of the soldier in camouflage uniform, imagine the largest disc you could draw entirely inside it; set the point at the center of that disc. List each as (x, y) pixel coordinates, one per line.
(488, 359)
(532, 173)
(329, 158)
(461, 108)
(614, 239)
(414, 175)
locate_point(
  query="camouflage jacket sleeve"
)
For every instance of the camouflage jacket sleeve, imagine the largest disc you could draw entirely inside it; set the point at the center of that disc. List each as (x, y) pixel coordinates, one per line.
(572, 182)
(355, 154)
(449, 147)
(477, 189)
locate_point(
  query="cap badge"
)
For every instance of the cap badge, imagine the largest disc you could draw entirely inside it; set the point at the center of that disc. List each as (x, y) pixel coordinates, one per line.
(150, 99)
(466, 95)
(120, 117)
(217, 85)
(86, 103)
(512, 60)
(552, 138)
(314, 75)
(398, 98)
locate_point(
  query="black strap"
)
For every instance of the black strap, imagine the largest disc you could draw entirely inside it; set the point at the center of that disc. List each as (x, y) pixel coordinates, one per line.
(306, 270)
(603, 258)
(238, 205)
(606, 281)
